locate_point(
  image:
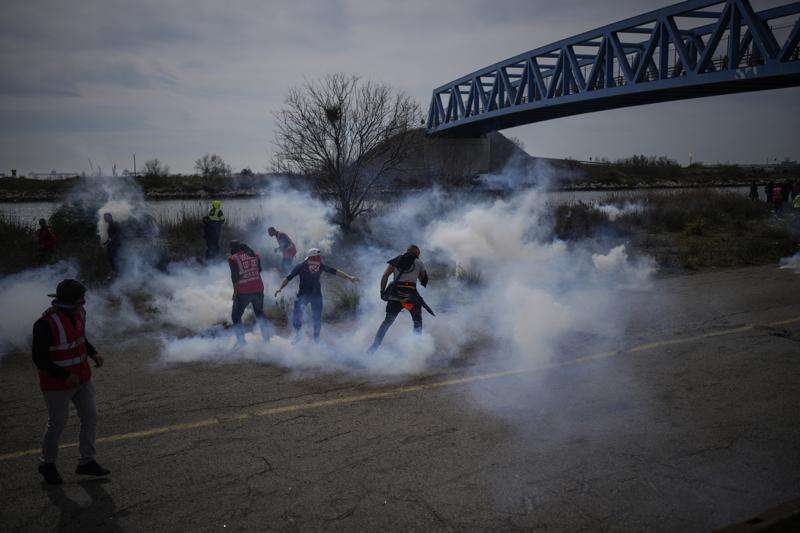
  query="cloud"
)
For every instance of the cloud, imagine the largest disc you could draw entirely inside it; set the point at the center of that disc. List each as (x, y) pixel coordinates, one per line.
(213, 71)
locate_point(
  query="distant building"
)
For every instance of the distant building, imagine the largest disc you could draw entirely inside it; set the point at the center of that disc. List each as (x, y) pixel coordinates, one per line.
(53, 175)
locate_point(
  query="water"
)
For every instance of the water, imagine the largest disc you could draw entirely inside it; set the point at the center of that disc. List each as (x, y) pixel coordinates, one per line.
(241, 210)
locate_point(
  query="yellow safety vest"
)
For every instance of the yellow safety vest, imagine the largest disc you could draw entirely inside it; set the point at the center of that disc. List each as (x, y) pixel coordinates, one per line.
(797, 202)
(216, 212)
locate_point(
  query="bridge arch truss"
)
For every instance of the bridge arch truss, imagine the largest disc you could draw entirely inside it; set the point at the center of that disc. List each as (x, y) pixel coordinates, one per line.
(692, 49)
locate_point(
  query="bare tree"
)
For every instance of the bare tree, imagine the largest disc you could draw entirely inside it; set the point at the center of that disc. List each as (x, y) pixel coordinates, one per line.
(346, 134)
(212, 166)
(155, 169)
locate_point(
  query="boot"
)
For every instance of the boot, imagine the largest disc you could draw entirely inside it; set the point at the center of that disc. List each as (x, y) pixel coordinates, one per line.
(50, 473)
(92, 469)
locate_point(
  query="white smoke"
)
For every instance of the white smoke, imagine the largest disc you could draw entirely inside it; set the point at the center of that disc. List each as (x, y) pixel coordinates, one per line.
(527, 290)
(616, 211)
(23, 299)
(791, 263)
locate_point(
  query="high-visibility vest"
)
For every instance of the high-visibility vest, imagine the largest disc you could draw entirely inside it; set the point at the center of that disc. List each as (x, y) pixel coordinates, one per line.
(797, 202)
(68, 348)
(216, 212)
(249, 273)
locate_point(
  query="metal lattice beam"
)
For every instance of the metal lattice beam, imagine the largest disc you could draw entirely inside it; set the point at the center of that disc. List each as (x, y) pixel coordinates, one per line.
(658, 56)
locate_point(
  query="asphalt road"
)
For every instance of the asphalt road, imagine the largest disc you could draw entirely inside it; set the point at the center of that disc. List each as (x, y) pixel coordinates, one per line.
(689, 420)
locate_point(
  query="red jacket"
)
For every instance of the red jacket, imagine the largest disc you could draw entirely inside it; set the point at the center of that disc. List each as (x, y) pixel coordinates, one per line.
(248, 269)
(68, 349)
(47, 239)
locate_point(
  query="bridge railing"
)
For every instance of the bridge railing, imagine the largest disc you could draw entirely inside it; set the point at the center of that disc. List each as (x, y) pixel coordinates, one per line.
(679, 44)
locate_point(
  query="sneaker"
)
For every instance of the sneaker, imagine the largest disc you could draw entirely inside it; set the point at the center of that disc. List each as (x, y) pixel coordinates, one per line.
(50, 473)
(240, 343)
(92, 469)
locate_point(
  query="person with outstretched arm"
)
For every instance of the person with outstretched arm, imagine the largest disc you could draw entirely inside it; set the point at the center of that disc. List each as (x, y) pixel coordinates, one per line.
(310, 290)
(61, 352)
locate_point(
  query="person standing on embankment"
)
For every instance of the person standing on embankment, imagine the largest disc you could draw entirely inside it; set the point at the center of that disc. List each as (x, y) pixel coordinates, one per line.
(113, 242)
(46, 238)
(60, 352)
(212, 228)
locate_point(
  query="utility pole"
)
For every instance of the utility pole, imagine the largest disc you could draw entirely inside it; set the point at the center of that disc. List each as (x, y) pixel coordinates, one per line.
(134, 164)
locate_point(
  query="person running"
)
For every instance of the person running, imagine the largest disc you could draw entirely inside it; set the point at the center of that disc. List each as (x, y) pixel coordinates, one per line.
(212, 229)
(46, 238)
(248, 289)
(407, 268)
(286, 247)
(310, 290)
(60, 352)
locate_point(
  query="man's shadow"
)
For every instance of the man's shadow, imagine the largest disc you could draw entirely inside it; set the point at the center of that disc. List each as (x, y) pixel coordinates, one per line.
(100, 514)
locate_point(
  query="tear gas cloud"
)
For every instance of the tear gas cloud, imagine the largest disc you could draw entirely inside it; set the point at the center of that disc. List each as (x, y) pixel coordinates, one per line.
(791, 263)
(498, 280)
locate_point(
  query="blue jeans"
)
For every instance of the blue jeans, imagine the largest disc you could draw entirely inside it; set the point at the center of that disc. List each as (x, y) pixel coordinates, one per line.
(286, 265)
(316, 313)
(240, 303)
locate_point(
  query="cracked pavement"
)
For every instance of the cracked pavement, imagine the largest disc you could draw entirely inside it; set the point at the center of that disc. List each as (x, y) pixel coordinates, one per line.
(687, 436)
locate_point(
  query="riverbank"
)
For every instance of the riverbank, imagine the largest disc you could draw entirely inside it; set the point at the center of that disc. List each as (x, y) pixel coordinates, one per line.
(57, 191)
(681, 230)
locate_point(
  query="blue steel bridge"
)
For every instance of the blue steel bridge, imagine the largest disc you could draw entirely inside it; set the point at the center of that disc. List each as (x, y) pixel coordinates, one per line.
(687, 50)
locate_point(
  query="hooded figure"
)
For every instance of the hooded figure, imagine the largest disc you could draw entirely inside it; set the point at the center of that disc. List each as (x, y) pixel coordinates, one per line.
(402, 293)
(310, 290)
(60, 352)
(212, 228)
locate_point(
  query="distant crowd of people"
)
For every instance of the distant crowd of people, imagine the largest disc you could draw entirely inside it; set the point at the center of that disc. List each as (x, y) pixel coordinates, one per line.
(778, 194)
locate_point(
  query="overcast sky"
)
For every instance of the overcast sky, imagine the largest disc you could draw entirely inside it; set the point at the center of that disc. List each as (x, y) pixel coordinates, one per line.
(176, 79)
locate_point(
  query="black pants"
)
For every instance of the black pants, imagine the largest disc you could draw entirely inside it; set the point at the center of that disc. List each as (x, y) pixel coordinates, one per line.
(212, 248)
(112, 251)
(316, 313)
(240, 303)
(393, 309)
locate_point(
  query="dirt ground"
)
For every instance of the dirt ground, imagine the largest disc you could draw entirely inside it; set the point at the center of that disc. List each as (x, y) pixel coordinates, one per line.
(688, 420)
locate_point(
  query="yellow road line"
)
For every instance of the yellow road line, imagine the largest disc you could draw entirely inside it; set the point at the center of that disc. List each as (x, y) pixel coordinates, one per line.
(398, 391)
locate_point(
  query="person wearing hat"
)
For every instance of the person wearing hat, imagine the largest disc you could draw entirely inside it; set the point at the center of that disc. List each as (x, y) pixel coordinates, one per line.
(60, 353)
(248, 289)
(310, 291)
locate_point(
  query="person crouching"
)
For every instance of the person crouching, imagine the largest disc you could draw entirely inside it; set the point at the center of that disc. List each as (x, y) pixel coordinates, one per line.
(310, 291)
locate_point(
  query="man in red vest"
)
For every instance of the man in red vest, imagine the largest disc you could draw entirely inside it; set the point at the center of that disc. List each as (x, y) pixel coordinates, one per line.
(248, 289)
(60, 353)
